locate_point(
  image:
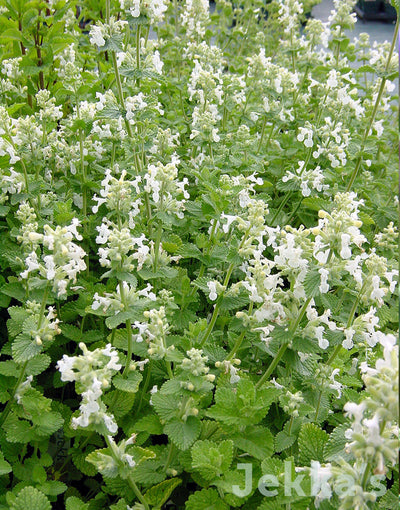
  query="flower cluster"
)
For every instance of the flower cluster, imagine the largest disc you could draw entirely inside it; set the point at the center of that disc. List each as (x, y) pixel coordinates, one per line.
(64, 258)
(92, 373)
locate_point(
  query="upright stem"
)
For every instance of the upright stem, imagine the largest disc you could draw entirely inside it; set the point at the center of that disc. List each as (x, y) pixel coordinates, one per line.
(262, 134)
(129, 333)
(217, 307)
(170, 455)
(375, 110)
(131, 481)
(144, 389)
(136, 490)
(283, 347)
(120, 91)
(239, 341)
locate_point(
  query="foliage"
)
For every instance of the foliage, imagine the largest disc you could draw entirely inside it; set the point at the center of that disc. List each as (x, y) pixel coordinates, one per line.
(198, 258)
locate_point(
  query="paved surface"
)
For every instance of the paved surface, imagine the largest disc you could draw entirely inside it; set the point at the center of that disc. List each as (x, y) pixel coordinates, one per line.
(379, 31)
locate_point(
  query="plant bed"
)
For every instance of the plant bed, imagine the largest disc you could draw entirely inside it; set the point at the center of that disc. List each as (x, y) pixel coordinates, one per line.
(199, 241)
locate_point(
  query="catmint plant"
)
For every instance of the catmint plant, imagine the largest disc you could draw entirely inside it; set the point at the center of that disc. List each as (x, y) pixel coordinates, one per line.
(199, 244)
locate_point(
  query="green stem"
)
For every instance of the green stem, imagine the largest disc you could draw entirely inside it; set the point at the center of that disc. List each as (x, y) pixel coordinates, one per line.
(157, 243)
(239, 341)
(262, 134)
(219, 301)
(170, 455)
(138, 53)
(349, 323)
(375, 110)
(7, 409)
(120, 91)
(318, 406)
(366, 475)
(136, 490)
(131, 481)
(283, 347)
(129, 333)
(169, 369)
(144, 389)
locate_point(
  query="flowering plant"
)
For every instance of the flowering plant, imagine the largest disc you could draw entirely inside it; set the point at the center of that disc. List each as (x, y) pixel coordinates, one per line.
(199, 275)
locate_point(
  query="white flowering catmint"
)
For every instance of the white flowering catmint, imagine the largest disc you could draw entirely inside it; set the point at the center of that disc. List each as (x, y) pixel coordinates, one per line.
(340, 229)
(166, 190)
(48, 109)
(101, 32)
(92, 372)
(373, 435)
(205, 84)
(307, 179)
(156, 332)
(306, 135)
(388, 238)
(204, 122)
(195, 18)
(153, 10)
(291, 403)
(27, 216)
(316, 326)
(324, 286)
(113, 301)
(64, 261)
(121, 248)
(229, 367)
(117, 194)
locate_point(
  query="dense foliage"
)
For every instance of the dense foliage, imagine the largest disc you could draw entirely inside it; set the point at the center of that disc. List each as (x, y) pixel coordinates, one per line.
(198, 257)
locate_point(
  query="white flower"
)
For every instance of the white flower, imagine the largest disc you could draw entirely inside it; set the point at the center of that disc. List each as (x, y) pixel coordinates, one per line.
(212, 286)
(348, 341)
(345, 251)
(324, 286)
(322, 342)
(96, 36)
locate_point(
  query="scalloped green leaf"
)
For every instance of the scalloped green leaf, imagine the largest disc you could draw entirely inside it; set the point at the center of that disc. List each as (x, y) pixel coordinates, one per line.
(183, 433)
(312, 440)
(31, 498)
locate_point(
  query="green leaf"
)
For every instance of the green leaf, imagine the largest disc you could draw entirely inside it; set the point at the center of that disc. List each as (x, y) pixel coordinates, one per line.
(283, 440)
(234, 302)
(38, 364)
(104, 462)
(242, 407)
(129, 384)
(206, 499)
(18, 431)
(150, 424)
(159, 494)
(74, 503)
(390, 500)
(335, 447)
(187, 251)
(287, 437)
(122, 404)
(183, 433)
(48, 423)
(312, 281)
(5, 467)
(79, 459)
(32, 499)
(212, 459)
(257, 441)
(115, 320)
(166, 406)
(25, 348)
(53, 487)
(312, 440)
